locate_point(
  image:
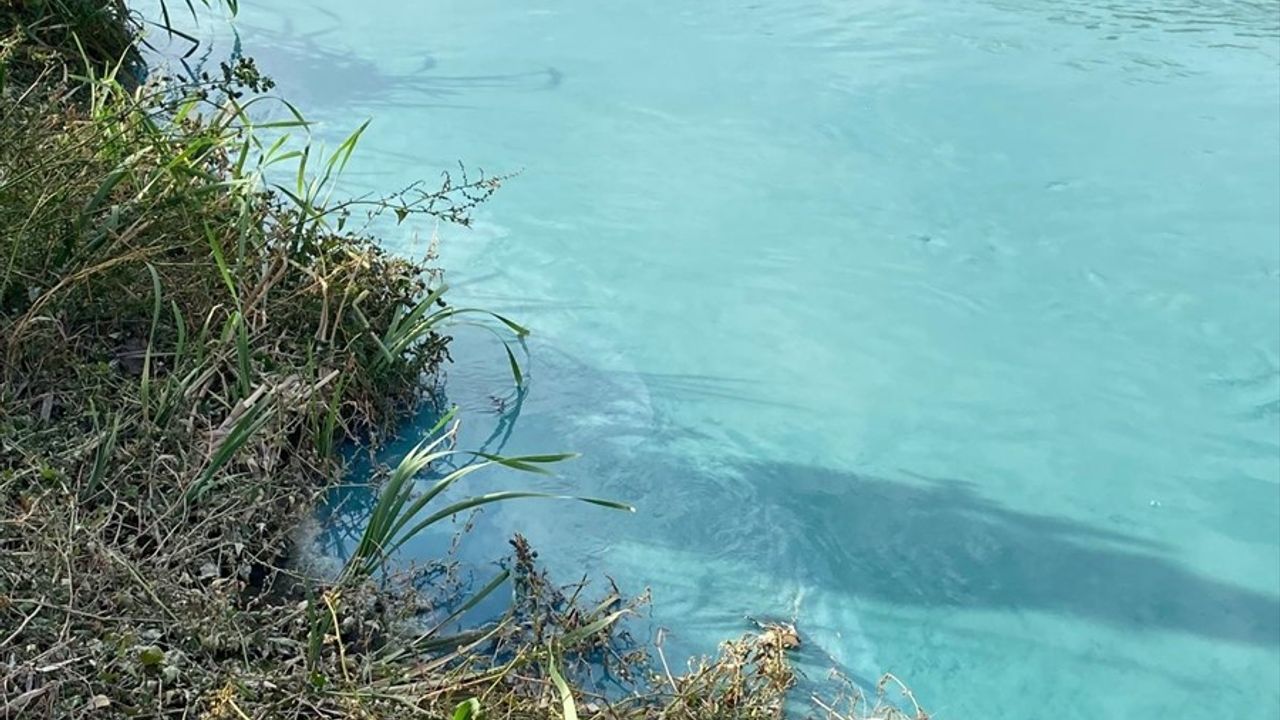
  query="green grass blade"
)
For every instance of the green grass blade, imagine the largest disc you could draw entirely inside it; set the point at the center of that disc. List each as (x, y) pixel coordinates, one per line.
(515, 366)
(406, 512)
(416, 644)
(245, 427)
(329, 425)
(338, 161)
(574, 636)
(157, 303)
(488, 498)
(215, 248)
(101, 457)
(389, 509)
(180, 327)
(108, 184)
(518, 329)
(244, 356)
(568, 707)
(301, 181)
(527, 463)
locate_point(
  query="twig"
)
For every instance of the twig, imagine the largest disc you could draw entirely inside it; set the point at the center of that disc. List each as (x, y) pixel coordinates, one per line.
(337, 635)
(21, 626)
(662, 634)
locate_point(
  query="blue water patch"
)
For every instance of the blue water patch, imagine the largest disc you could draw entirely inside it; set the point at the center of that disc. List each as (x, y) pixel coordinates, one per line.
(950, 329)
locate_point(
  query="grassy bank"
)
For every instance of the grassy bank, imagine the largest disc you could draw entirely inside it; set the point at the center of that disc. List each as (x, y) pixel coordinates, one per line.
(183, 349)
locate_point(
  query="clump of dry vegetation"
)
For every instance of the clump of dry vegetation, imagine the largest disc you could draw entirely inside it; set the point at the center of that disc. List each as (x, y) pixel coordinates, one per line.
(183, 349)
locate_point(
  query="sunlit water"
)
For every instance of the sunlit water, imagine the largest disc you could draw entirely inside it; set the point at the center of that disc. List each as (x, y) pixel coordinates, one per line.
(951, 329)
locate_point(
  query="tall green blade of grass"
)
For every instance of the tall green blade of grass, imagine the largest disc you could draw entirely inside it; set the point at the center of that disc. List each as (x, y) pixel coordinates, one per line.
(392, 499)
(407, 329)
(479, 500)
(180, 328)
(244, 355)
(431, 639)
(175, 385)
(574, 636)
(567, 705)
(144, 391)
(215, 248)
(335, 166)
(328, 425)
(403, 515)
(391, 524)
(252, 421)
(514, 326)
(101, 457)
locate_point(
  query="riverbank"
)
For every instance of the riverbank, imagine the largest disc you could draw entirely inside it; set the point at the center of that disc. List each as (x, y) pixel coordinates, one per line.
(185, 349)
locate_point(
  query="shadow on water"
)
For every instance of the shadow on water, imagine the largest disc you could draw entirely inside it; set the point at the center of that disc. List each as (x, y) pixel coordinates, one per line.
(311, 61)
(908, 541)
(939, 543)
(321, 73)
(926, 542)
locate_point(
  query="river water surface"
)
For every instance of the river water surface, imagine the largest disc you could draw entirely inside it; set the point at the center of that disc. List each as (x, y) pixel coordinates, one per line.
(950, 328)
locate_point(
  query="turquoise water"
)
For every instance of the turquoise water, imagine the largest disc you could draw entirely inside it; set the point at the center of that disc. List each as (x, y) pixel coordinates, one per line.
(950, 328)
